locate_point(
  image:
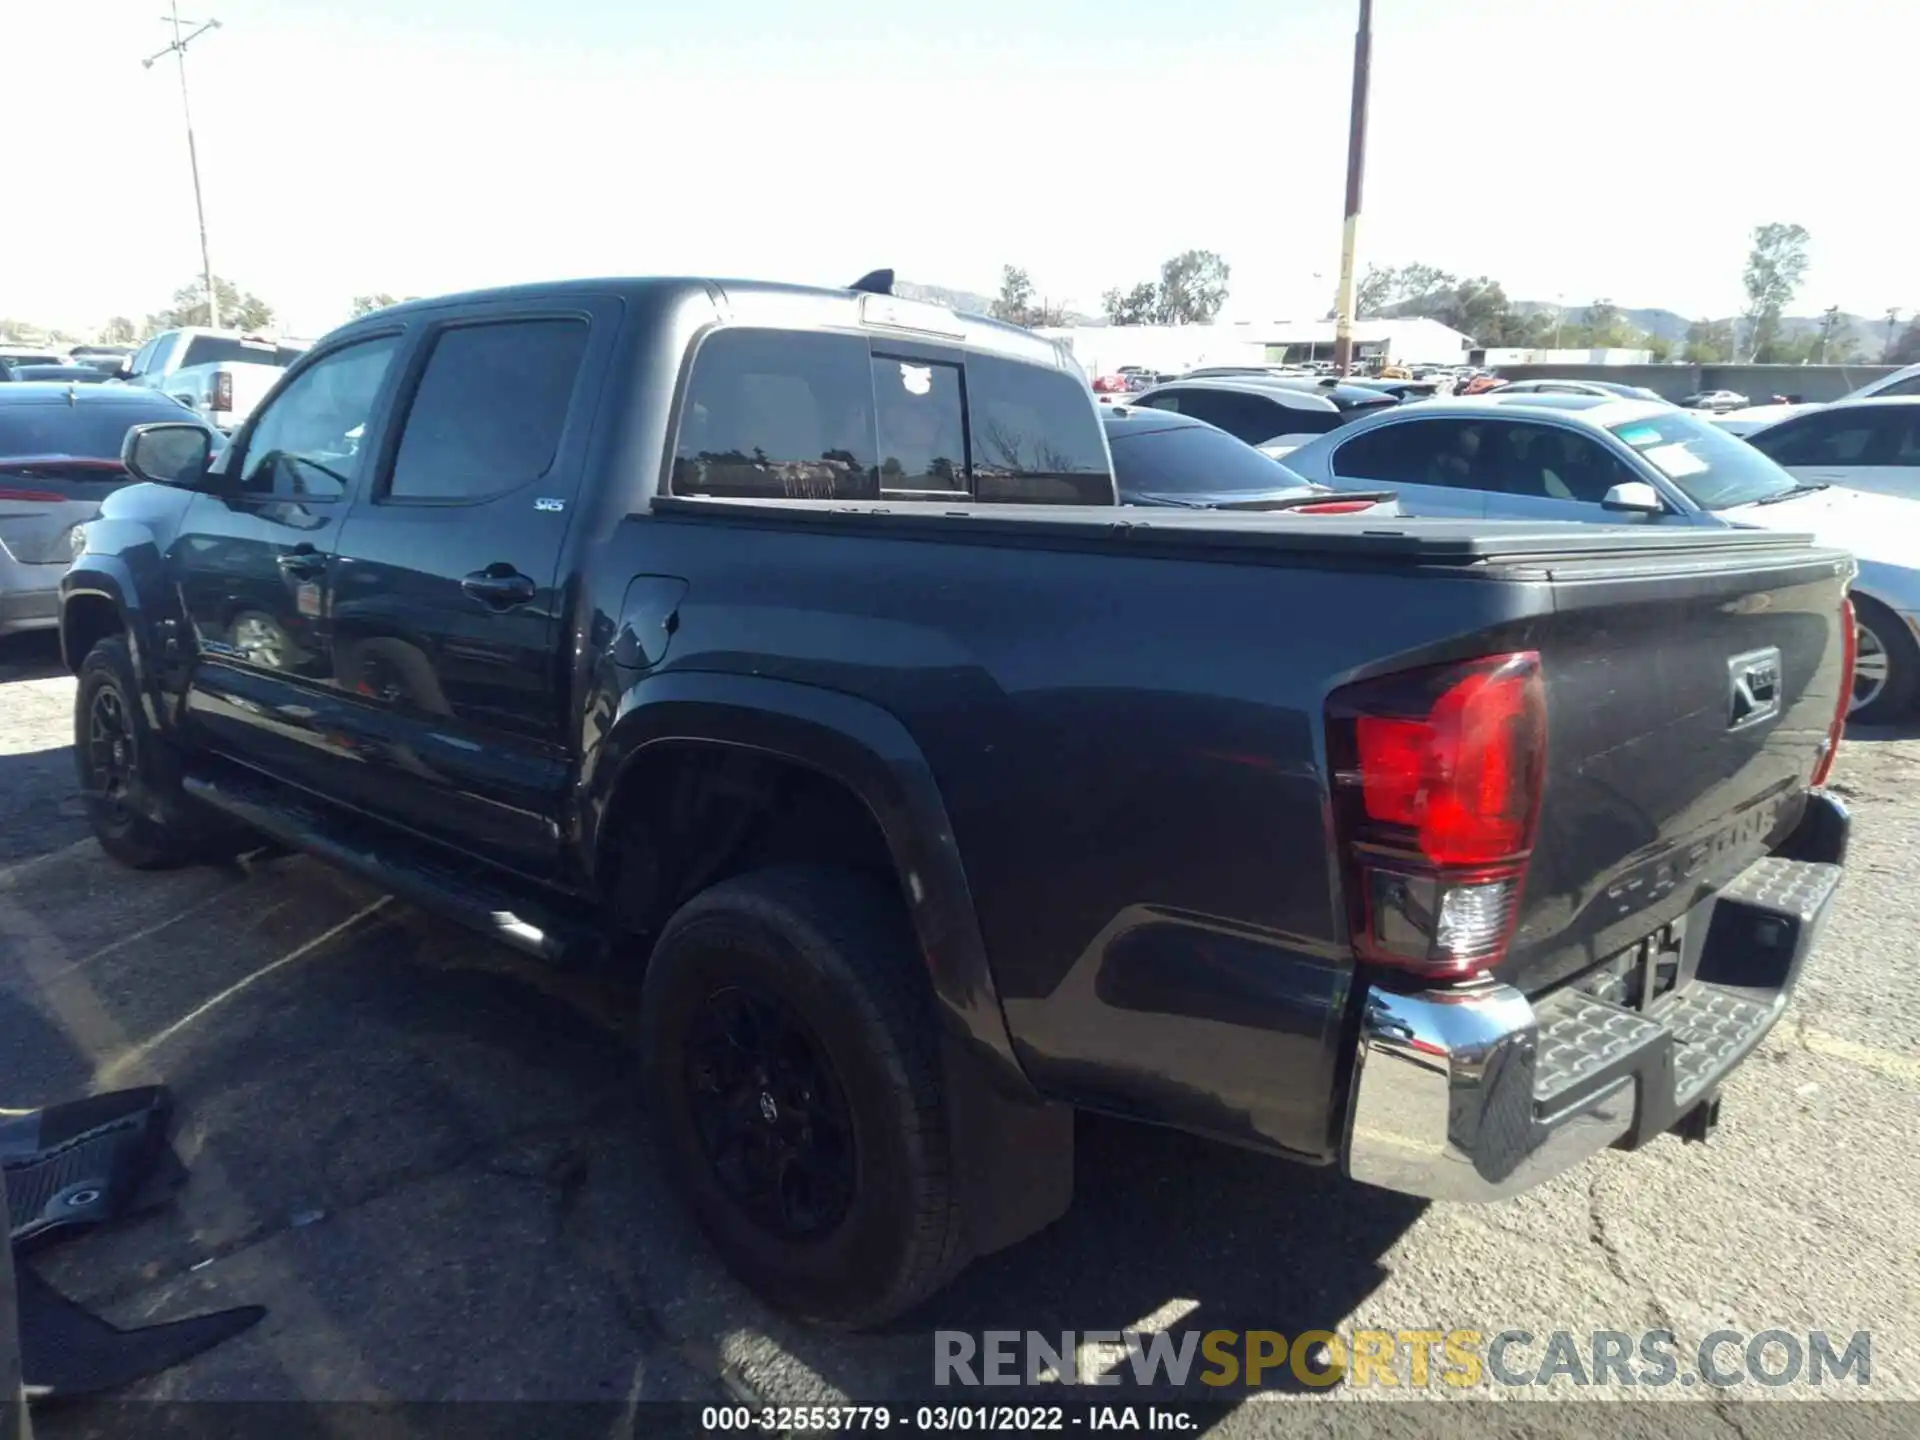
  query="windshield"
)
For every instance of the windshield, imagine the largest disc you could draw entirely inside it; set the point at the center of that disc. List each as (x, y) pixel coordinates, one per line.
(1194, 460)
(90, 431)
(225, 350)
(1714, 469)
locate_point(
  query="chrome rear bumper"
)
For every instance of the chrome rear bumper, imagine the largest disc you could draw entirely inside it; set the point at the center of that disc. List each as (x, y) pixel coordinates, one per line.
(1477, 1093)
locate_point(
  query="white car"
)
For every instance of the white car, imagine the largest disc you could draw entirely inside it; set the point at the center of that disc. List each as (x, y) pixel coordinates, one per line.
(220, 375)
(1860, 444)
(1612, 462)
(1750, 418)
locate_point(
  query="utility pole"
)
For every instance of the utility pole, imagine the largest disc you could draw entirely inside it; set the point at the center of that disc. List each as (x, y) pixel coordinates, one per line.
(1893, 318)
(178, 49)
(1356, 166)
(1828, 319)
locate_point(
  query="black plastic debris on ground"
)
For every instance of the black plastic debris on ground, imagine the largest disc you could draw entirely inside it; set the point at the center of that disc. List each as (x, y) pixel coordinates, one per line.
(79, 1165)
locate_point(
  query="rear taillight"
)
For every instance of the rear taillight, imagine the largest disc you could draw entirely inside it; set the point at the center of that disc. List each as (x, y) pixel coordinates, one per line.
(1335, 507)
(34, 497)
(1437, 782)
(223, 390)
(1849, 652)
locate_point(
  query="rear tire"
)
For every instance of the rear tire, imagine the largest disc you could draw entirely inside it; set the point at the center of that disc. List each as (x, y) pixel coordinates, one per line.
(1888, 652)
(130, 775)
(791, 1070)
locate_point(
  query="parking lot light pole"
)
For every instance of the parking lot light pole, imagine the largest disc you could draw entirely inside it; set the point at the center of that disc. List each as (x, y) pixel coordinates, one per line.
(1356, 164)
(179, 51)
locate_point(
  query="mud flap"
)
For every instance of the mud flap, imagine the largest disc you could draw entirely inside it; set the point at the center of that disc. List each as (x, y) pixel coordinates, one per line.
(68, 1350)
(77, 1164)
(1013, 1158)
(88, 1161)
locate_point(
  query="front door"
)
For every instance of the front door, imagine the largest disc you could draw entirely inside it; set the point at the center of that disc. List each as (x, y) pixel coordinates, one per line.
(252, 563)
(448, 596)
(1537, 471)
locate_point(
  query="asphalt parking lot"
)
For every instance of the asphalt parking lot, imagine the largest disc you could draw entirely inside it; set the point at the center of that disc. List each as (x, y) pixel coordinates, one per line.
(424, 1156)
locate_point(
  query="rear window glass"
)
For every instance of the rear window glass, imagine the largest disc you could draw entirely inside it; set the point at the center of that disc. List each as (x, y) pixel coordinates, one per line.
(778, 415)
(1194, 460)
(228, 350)
(92, 431)
(803, 415)
(1036, 436)
(922, 427)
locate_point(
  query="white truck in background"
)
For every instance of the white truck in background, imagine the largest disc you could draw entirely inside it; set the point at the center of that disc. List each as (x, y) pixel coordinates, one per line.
(220, 375)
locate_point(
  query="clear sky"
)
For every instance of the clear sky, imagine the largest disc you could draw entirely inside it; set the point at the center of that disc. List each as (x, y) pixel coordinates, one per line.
(1576, 148)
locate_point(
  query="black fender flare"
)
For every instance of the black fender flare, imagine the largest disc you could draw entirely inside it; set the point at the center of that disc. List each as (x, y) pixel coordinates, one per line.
(1012, 1151)
(864, 748)
(108, 577)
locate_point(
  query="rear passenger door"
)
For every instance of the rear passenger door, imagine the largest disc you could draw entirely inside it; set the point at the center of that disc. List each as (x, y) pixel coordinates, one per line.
(447, 589)
(1432, 465)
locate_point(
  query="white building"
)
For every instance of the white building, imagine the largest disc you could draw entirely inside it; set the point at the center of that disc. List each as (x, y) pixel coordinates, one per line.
(1102, 349)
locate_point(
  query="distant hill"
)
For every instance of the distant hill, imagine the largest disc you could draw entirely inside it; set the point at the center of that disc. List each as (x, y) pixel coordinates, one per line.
(1869, 333)
(968, 301)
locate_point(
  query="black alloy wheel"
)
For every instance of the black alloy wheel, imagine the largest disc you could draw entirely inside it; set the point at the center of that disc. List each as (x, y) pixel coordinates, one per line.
(771, 1114)
(110, 753)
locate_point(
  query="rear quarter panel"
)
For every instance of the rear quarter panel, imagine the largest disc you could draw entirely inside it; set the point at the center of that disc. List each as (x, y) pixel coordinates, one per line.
(1131, 754)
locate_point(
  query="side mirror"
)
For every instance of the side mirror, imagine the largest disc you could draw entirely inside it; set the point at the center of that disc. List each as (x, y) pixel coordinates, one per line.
(168, 454)
(1635, 496)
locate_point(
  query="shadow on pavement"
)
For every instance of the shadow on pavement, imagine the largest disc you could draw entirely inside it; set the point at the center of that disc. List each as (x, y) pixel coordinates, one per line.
(1906, 729)
(40, 808)
(32, 656)
(425, 1155)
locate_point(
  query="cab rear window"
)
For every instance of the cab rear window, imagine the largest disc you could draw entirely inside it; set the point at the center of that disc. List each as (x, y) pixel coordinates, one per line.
(804, 415)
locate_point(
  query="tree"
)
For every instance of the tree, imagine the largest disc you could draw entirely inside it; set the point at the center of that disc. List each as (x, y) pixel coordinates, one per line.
(1137, 306)
(118, 331)
(1193, 287)
(367, 304)
(1371, 293)
(239, 310)
(1906, 350)
(1016, 303)
(1776, 265)
(1709, 342)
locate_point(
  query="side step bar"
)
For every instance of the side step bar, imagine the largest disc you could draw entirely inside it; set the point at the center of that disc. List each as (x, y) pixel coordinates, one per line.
(478, 900)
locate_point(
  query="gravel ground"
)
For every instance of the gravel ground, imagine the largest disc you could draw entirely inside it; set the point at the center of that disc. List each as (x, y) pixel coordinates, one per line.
(422, 1154)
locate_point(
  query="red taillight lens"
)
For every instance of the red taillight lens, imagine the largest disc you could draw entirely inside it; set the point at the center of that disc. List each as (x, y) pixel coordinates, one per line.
(1438, 780)
(34, 497)
(223, 390)
(1849, 653)
(1335, 507)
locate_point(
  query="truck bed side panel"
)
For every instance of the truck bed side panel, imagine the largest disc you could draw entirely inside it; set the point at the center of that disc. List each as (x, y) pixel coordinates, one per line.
(1130, 751)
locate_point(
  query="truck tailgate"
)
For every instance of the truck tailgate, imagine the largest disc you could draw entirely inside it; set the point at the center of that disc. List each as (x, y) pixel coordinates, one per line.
(1688, 703)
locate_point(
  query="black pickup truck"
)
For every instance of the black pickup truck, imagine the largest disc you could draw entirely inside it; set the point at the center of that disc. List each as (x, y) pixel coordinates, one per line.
(787, 645)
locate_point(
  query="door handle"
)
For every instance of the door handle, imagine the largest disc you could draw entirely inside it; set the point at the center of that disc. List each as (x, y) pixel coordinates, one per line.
(303, 561)
(500, 586)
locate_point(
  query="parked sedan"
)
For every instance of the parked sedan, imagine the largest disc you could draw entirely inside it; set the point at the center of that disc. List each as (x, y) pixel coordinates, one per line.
(1164, 458)
(1713, 400)
(1599, 389)
(1633, 462)
(1258, 412)
(1860, 444)
(65, 374)
(59, 458)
